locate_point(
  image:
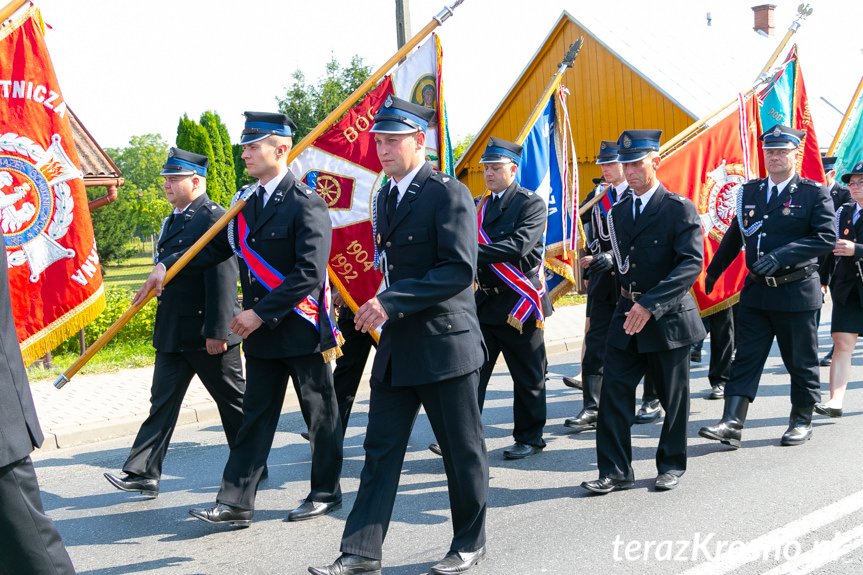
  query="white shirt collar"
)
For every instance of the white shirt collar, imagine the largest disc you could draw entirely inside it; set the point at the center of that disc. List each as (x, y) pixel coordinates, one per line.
(176, 211)
(271, 186)
(645, 197)
(620, 188)
(781, 185)
(405, 182)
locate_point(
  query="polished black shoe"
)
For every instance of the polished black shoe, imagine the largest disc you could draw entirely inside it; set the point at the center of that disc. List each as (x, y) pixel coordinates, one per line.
(349, 565)
(585, 420)
(717, 391)
(799, 426)
(572, 382)
(729, 430)
(458, 562)
(607, 485)
(648, 412)
(666, 482)
(521, 450)
(828, 411)
(311, 509)
(304, 435)
(131, 482)
(826, 362)
(435, 448)
(695, 356)
(221, 513)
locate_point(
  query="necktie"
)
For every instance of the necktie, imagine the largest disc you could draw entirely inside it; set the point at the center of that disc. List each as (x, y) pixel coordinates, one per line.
(774, 191)
(637, 210)
(259, 201)
(392, 204)
(495, 203)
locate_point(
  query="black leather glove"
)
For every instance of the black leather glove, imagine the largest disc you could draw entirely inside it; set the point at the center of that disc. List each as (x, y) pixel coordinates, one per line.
(709, 283)
(601, 263)
(766, 266)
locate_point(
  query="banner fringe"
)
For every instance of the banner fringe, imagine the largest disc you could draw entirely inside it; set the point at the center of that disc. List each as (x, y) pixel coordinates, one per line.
(62, 328)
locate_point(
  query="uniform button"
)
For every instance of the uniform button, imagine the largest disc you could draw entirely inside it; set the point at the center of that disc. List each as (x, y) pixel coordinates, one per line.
(180, 242)
(633, 284)
(161, 250)
(760, 253)
(656, 241)
(766, 216)
(160, 302)
(612, 273)
(257, 299)
(449, 326)
(389, 244)
(390, 267)
(272, 234)
(632, 248)
(634, 266)
(275, 320)
(410, 238)
(200, 312)
(787, 267)
(401, 315)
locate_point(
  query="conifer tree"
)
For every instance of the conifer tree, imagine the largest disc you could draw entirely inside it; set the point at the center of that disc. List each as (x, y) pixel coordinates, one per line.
(193, 137)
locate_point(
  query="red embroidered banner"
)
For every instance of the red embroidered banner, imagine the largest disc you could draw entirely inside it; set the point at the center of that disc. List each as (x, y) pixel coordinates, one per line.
(54, 276)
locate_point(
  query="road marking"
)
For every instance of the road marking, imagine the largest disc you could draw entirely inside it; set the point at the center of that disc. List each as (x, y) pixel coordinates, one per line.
(822, 554)
(778, 538)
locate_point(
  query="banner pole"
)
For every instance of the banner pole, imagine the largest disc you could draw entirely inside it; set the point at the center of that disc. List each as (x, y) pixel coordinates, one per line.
(438, 20)
(838, 137)
(10, 9)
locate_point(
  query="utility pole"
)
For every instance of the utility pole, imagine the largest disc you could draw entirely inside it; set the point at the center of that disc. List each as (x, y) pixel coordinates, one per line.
(403, 22)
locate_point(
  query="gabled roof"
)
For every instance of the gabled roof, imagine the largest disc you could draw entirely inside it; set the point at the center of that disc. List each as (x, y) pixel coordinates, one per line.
(95, 163)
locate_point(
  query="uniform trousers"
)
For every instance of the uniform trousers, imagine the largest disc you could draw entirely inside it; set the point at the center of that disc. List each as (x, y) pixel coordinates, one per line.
(796, 333)
(267, 380)
(594, 340)
(221, 374)
(29, 541)
(623, 369)
(526, 360)
(452, 409)
(350, 365)
(720, 325)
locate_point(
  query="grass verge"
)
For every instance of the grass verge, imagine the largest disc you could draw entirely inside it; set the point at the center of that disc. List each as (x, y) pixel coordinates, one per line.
(124, 355)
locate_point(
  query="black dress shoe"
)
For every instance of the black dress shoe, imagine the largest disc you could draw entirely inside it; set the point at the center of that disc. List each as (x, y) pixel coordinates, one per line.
(349, 565)
(695, 356)
(304, 435)
(648, 412)
(717, 391)
(572, 382)
(828, 411)
(666, 482)
(435, 448)
(585, 420)
(458, 562)
(521, 450)
(132, 482)
(311, 509)
(607, 485)
(222, 513)
(799, 426)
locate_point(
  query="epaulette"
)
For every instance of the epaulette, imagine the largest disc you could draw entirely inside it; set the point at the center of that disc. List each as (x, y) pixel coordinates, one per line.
(303, 189)
(755, 182)
(678, 197)
(810, 182)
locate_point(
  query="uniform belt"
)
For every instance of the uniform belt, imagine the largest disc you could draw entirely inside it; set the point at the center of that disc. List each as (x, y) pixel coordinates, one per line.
(631, 295)
(495, 290)
(776, 281)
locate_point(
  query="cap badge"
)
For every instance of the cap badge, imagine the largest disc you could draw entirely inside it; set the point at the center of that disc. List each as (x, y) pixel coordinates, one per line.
(490, 142)
(627, 142)
(858, 167)
(777, 132)
(389, 102)
(602, 146)
(171, 153)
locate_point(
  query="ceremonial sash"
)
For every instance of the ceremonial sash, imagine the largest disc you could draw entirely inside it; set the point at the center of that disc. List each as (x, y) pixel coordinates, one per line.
(308, 308)
(607, 201)
(530, 302)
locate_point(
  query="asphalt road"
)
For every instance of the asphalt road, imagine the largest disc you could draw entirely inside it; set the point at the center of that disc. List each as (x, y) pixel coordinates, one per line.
(760, 509)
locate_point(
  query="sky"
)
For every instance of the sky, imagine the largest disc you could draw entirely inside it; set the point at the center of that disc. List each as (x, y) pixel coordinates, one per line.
(131, 68)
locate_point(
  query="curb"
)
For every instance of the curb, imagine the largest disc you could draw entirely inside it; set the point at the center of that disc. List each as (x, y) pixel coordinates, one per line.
(206, 412)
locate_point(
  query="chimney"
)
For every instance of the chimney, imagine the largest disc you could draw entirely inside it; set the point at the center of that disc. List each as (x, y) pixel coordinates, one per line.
(764, 19)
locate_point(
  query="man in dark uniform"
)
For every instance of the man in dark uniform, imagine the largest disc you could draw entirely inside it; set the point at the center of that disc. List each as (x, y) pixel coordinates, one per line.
(282, 236)
(840, 195)
(658, 246)
(430, 350)
(510, 254)
(602, 287)
(29, 541)
(191, 335)
(785, 223)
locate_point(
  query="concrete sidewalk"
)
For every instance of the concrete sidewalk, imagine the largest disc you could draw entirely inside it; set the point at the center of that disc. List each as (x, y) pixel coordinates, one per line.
(93, 408)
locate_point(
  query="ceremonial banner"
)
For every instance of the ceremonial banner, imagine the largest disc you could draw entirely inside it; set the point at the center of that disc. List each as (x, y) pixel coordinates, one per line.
(709, 170)
(54, 276)
(850, 148)
(784, 101)
(544, 168)
(342, 166)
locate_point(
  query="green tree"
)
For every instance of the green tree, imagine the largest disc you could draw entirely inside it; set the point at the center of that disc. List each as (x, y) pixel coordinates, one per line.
(307, 105)
(222, 165)
(242, 175)
(112, 226)
(462, 146)
(141, 161)
(193, 137)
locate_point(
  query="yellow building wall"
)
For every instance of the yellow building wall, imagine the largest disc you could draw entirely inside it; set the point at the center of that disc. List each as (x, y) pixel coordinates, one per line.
(606, 97)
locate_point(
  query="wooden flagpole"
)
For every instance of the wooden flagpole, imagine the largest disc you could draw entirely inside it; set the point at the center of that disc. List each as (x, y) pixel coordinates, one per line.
(438, 20)
(802, 12)
(10, 9)
(838, 137)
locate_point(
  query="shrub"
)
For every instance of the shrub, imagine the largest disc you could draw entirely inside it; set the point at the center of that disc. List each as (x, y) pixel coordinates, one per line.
(117, 301)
